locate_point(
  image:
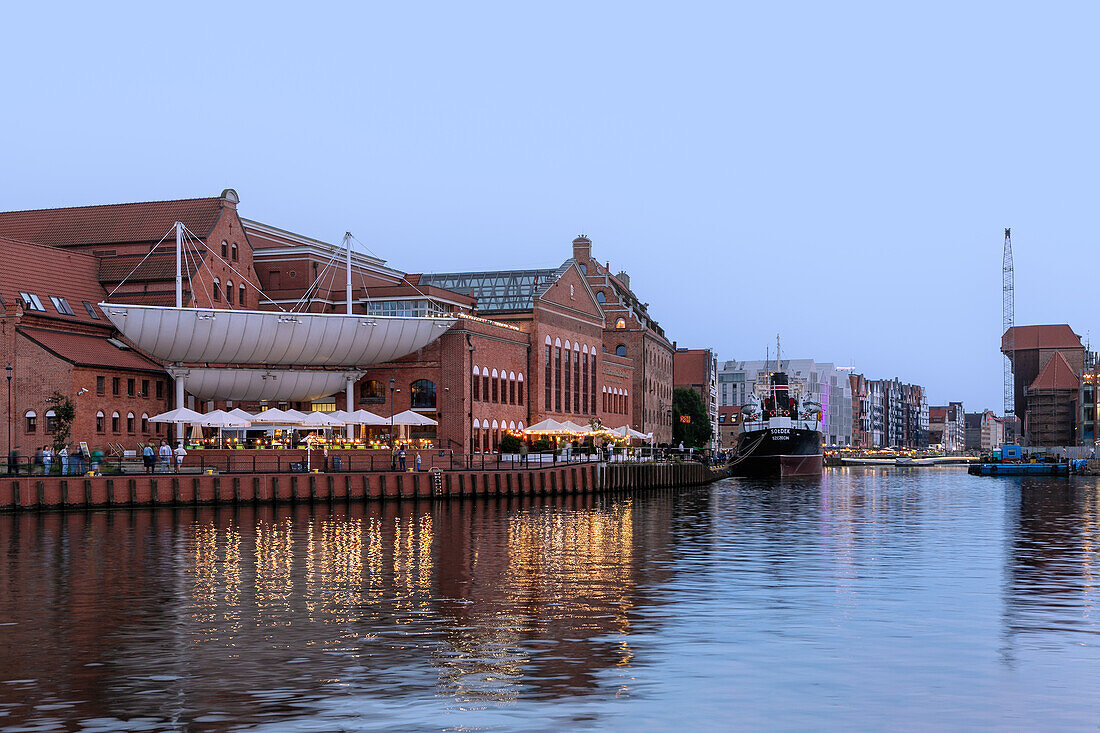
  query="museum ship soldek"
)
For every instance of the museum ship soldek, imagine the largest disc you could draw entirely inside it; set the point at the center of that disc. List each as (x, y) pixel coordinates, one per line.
(781, 431)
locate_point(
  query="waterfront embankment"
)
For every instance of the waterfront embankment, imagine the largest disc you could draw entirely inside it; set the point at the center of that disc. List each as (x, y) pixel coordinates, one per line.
(29, 493)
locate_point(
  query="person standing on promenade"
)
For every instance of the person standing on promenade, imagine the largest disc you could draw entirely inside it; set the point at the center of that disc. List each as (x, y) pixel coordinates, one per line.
(149, 458)
(401, 458)
(47, 459)
(418, 461)
(63, 459)
(165, 456)
(180, 455)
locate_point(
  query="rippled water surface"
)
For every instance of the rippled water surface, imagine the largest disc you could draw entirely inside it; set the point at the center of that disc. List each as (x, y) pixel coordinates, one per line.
(901, 599)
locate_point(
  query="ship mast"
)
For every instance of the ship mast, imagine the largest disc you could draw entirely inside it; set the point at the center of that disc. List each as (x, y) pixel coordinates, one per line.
(349, 430)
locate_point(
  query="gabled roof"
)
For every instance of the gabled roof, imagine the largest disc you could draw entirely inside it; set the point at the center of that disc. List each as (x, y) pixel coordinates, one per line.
(110, 223)
(84, 350)
(140, 268)
(46, 271)
(1056, 375)
(1051, 336)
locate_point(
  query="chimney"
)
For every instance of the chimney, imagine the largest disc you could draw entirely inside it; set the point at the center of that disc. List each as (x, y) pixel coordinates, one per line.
(624, 278)
(582, 249)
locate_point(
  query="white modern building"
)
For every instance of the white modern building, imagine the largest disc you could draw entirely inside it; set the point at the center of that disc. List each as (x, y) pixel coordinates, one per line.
(822, 382)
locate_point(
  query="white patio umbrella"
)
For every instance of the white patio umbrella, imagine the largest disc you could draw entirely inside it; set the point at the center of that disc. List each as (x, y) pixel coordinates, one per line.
(365, 417)
(408, 417)
(549, 426)
(275, 417)
(294, 415)
(318, 419)
(238, 412)
(575, 428)
(180, 414)
(223, 419)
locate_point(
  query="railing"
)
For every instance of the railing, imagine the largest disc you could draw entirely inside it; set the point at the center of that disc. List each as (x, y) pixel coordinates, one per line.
(226, 463)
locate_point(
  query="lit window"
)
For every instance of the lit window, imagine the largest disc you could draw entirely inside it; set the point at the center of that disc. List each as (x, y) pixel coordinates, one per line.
(91, 311)
(31, 302)
(62, 306)
(621, 323)
(422, 393)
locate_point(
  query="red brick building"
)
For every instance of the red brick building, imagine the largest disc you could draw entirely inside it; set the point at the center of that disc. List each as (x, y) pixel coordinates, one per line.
(697, 369)
(570, 342)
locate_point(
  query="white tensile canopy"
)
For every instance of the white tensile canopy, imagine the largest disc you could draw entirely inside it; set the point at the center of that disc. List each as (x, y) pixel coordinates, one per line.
(178, 415)
(209, 335)
(408, 417)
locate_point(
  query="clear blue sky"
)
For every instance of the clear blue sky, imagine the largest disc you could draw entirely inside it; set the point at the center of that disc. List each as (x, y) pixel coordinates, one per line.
(863, 159)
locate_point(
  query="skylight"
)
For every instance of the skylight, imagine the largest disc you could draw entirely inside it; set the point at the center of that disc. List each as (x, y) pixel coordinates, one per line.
(31, 302)
(91, 311)
(62, 306)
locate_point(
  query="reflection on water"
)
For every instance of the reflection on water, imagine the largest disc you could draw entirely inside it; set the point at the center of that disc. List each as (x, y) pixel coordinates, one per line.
(872, 597)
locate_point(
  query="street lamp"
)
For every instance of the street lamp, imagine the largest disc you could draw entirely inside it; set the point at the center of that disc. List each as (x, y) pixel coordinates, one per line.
(393, 444)
(8, 369)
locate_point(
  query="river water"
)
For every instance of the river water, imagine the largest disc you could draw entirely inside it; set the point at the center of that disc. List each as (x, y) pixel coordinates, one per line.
(898, 599)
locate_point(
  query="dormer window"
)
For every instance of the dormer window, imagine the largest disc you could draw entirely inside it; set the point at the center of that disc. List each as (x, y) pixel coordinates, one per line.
(31, 302)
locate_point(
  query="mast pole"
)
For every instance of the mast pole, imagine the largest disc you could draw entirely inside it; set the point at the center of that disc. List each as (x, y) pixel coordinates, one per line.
(349, 430)
(179, 264)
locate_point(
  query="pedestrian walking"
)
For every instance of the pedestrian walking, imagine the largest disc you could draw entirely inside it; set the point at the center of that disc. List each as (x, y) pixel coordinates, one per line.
(165, 452)
(417, 461)
(149, 458)
(180, 455)
(38, 460)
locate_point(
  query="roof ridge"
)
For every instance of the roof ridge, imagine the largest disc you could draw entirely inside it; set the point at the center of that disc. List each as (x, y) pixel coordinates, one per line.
(120, 203)
(49, 247)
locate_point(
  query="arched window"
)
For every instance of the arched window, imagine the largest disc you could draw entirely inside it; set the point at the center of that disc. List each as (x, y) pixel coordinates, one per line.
(99, 421)
(372, 390)
(568, 371)
(511, 388)
(240, 294)
(519, 390)
(229, 292)
(422, 393)
(621, 323)
(115, 422)
(496, 392)
(557, 375)
(477, 383)
(225, 249)
(129, 422)
(217, 289)
(234, 250)
(620, 350)
(31, 418)
(144, 422)
(577, 378)
(600, 297)
(51, 421)
(548, 376)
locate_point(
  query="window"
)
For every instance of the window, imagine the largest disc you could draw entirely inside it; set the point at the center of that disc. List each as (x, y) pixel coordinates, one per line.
(217, 289)
(61, 305)
(557, 378)
(91, 310)
(51, 421)
(600, 297)
(129, 422)
(145, 388)
(99, 385)
(31, 419)
(422, 393)
(372, 390)
(99, 421)
(512, 389)
(584, 269)
(567, 384)
(519, 390)
(31, 302)
(240, 294)
(160, 389)
(621, 323)
(584, 393)
(234, 250)
(225, 249)
(485, 385)
(576, 379)
(593, 393)
(114, 422)
(144, 422)
(546, 378)
(477, 383)
(496, 395)
(116, 386)
(405, 308)
(129, 387)
(620, 350)
(229, 292)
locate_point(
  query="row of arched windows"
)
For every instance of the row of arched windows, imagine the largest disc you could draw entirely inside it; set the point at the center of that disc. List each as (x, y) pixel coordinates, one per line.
(31, 422)
(570, 377)
(616, 401)
(487, 434)
(228, 292)
(502, 387)
(422, 393)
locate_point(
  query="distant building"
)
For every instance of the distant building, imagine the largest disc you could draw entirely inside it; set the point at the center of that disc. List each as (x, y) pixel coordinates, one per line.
(861, 411)
(729, 426)
(984, 431)
(1052, 404)
(887, 413)
(821, 382)
(697, 369)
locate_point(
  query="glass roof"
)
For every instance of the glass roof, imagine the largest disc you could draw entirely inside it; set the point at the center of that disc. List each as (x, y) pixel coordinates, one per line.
(501, 291)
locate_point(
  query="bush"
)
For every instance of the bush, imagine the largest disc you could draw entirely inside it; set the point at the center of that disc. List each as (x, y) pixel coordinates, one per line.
(510, 443)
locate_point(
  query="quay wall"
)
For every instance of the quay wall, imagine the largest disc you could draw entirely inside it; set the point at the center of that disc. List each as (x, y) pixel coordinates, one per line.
(29, 493)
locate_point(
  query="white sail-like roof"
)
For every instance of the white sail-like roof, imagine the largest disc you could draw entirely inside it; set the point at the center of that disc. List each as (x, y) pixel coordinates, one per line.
(274, 385)
(189, 335)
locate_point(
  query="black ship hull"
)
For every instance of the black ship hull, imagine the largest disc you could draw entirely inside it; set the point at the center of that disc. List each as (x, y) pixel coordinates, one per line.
(778, 452)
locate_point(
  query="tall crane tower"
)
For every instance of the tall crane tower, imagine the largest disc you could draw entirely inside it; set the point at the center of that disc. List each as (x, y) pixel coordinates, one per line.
(1008, 317)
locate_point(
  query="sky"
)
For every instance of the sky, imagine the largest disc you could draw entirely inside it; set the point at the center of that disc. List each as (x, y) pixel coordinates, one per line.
(840, 174)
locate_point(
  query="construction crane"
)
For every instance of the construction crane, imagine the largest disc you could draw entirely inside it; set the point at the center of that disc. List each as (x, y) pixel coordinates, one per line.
(1008, 316)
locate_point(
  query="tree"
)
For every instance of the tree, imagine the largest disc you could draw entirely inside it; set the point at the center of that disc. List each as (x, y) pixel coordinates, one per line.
(690, 423)
(510, 443)
(64, 412)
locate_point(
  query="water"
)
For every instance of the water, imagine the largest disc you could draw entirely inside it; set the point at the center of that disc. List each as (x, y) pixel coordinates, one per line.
(898, 599)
